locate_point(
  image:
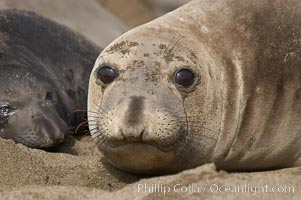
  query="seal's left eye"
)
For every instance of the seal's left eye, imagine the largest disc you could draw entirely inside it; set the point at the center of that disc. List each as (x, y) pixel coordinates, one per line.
(5, 110)
(184, 77)
(107, 74)
(51, 96)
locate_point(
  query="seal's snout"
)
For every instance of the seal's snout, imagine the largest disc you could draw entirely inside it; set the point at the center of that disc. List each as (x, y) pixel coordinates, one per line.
(132, 129)
(132, 126)
(51, 130)
(132, 134)
(49, 127)
(134, 113)
(141, 119)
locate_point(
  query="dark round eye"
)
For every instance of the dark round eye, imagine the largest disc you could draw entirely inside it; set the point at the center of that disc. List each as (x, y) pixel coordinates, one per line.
(51, 96)
(184, 77)
(5, 109)
(106, 74)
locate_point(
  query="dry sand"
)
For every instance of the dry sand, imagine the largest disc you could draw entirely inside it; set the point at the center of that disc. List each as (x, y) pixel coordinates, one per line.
(82, 173)
(22, 166)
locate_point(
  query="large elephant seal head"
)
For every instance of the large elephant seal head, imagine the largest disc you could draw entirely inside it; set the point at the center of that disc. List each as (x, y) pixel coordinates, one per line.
(213, 81)
(154, 102)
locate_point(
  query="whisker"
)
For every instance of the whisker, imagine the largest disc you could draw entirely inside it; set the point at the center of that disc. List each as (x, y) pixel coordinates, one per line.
(97, 133)
(100, 141)
(80, 125)
(93, 129)
(97, 139)
(85, 111)
(92, 120)
(96, 127)
(86, 133)
(94, 123)
(97, 117)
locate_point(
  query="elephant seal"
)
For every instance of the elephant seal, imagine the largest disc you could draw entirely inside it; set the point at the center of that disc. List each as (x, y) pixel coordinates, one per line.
(213, 81)
(44, 73)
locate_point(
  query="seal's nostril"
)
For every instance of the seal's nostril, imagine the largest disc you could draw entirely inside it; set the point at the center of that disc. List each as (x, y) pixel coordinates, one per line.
(132, 134)
(141, 135)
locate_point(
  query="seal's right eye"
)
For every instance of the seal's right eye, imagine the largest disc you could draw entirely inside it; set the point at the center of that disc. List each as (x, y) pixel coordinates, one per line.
(184, 77)
(106, 74)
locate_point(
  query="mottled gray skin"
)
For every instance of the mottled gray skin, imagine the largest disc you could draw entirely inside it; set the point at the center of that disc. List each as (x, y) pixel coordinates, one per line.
(243, 112)
(44, 72)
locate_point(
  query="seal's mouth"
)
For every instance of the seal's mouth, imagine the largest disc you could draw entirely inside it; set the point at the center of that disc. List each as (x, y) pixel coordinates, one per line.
(143, 158)
(118, 144)
(159, 143)
(162, 141)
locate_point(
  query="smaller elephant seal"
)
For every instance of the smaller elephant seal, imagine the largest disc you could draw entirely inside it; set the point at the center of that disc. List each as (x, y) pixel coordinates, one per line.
(44, 73)
(213, 81)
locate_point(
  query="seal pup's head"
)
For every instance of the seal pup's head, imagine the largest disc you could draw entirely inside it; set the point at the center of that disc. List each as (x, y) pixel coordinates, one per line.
(31, 110)
(44, 72)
